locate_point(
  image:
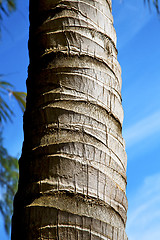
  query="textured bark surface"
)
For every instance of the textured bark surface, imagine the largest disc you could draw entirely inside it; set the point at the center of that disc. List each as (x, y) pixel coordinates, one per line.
(73, 165)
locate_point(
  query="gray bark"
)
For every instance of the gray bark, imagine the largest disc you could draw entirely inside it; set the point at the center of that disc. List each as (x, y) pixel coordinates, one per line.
(73, 164)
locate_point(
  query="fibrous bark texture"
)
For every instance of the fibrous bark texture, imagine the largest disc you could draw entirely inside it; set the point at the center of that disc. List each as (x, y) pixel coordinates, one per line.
(73, 165)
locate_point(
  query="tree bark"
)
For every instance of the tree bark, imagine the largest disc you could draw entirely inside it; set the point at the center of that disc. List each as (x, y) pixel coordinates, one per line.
(73, 165)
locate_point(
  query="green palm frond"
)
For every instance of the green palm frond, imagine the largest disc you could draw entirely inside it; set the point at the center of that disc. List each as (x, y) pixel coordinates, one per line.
(8, 183)
(20, 98)
(2, 8)
(7, 6)
(6, 88)
(155, 3)
(4, 84)
(11, 5)
(5, 110)
(8, 164)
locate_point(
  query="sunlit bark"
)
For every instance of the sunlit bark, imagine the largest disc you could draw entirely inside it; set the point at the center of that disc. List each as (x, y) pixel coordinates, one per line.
(73, 165)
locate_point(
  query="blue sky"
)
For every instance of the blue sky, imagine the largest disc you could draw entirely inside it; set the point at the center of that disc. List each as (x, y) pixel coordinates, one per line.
(139, 55)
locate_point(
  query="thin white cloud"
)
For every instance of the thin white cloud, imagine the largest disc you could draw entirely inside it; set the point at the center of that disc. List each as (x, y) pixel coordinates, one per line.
(142, 129)
(144, 211)
(130, 18)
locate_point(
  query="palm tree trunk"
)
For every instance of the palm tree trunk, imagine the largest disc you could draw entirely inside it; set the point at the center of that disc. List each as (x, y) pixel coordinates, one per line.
(73, 165)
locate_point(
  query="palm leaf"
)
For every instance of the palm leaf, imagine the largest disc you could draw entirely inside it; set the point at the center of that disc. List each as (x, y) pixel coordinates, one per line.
(8, 182)
(4, 84)
(5, 110)
(3, 9)
(155, 3)
(7, 5)
(20, 97)
(11, 5)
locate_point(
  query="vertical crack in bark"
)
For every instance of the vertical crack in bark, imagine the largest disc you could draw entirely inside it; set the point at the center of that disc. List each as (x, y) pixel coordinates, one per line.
(67, 40)
(57, 226)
